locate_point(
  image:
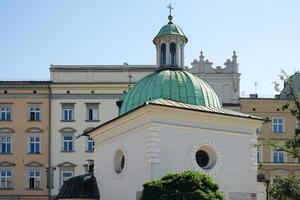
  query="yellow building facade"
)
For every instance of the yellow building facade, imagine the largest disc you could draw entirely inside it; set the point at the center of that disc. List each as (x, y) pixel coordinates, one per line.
(24, 139)
(279, 129)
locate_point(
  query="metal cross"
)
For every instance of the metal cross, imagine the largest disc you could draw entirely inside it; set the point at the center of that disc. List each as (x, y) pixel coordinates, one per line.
(170, 8)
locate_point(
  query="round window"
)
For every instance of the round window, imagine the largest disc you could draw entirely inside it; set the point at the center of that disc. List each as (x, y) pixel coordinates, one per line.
(202, 158)
(119, 162)
(206, 157)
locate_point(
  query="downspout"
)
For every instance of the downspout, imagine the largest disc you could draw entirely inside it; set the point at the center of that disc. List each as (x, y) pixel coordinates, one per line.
(49, 143)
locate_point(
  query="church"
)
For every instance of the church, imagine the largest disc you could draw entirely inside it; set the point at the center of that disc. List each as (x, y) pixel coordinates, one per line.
(171, 121)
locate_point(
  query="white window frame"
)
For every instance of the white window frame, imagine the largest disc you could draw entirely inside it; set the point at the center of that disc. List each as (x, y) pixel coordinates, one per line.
(69, 108)
(63, 179)
(277, 124)
(36, 111)
(259, 154)
(34, 136)
(278, 152)
(4, 141)
(94, 109)
(6, 111)
(68, 143)
(88, 141)
(36, 178)
(6, 179)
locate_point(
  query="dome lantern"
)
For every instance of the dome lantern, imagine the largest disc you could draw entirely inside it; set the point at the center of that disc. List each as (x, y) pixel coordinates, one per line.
(170, 42)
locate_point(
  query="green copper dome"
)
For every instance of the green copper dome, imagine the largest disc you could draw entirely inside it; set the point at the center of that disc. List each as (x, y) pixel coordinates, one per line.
(170, 29)
(176, 85)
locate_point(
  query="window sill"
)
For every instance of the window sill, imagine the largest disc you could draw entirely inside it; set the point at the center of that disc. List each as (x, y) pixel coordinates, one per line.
(34, 189)
(63, 151)
(89, 151)
(3, 154)
(30, 120)
(67, 120)
(96, 120)
(6, 188)
(278, 133)
(5, 120)
(33, 153)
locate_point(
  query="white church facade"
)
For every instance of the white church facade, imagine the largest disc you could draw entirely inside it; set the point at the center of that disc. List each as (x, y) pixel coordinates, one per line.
(171, 121)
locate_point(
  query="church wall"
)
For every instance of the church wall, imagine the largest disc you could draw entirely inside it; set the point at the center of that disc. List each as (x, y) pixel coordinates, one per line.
(233, 151)
(123, 186)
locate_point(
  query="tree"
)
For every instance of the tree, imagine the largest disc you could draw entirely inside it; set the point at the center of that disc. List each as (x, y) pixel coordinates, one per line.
(291, 146)
(286, 188)
(187, 185)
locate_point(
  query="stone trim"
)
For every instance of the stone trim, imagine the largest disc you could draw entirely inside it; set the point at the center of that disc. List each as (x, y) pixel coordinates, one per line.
(205, 142)
(153, 145)
(66, 164)
(67, 130)
(6, 130)
(34, 130)
(34, 164)
(7, 164)
(86, 96)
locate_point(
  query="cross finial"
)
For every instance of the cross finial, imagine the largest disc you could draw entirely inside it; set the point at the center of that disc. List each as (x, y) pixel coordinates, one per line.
(170, 8)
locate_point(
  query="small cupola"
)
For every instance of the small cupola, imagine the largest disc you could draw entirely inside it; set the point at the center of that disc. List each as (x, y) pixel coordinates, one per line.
(170, 42)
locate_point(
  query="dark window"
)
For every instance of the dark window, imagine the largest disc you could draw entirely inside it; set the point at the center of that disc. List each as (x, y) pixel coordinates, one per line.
(163, 54)
(173, 53)
(202, 158)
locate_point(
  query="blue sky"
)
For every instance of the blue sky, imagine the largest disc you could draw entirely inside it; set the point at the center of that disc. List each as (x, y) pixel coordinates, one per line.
(36, 33)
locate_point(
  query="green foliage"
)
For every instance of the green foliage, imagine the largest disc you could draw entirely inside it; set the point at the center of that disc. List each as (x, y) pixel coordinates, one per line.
(188, 185)
(286, 188)
(292, 146)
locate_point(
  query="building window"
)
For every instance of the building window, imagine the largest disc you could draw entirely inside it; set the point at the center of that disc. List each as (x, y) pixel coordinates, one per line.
(92, 112)
(119, 161)
(298, 124)
(278, 156)
(5, 145)
(68, 143)
(34, 144)
(67, 112)
(258, 154)
(34, 179)
(163, 55)
(278, 125)
(90, 145)
(173, 54)
(65, 175)
(34, 113)
(5, 179)
(258, 131)
(5, 114)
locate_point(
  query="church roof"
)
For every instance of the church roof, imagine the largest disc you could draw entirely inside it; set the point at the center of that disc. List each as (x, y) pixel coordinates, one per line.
(185, 106)
(172, 84)
(83, 186)
(222, 111)
(170, 29)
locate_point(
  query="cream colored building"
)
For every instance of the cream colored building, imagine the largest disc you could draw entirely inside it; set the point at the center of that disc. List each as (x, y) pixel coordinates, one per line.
(280, 128)
(82, 97)
(24, 139)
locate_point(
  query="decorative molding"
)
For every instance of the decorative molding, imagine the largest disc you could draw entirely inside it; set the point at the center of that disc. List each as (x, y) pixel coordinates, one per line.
(6, 130)
(153, 145)
(66, 164)
(253, 149)
(34, 130)
(67, 130)
(7, 164)
(34, 164)
(202, 143)
(86, 96)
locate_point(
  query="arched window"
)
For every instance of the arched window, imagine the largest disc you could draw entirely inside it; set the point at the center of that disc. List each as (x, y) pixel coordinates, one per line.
(173, 53)
(163, 54)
